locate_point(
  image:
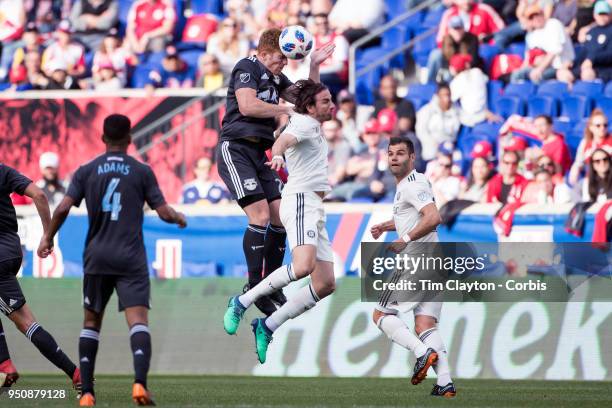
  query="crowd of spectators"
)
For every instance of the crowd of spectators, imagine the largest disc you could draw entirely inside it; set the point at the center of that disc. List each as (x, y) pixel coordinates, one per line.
(80, 45)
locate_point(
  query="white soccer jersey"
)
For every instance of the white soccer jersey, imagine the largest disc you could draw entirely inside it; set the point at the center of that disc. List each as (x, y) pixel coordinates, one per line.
(307, 160)
(413, 193)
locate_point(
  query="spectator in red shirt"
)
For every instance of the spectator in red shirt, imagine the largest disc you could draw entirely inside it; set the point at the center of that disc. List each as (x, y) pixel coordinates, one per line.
(479, 19)
(64, 51)
(150, 25)
(553, 145)
(508, 185)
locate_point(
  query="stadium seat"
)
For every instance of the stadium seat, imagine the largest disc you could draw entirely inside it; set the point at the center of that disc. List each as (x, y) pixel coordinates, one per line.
(516, 49)
(395, 7)
(591, 89)
(488, 131)
(370, 55)
(207, 6)
(521, 89)
(562, 125)
(393, 39)
(413, 23)
(181, 20)
(417, 102)
(541, 105)
(366, 85)
(508, 105)
(140, 76)
(575, 107)
(579, 126)
(124, 9)
(425, 91)
(487, 52)
(556, 89)
(198, 28)
(422, 48)
(573, 139)
(605, 104)
(433, 17)
(494, 91)
(191, 57)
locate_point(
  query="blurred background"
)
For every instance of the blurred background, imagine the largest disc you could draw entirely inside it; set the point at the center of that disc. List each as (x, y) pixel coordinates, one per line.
(507, 102)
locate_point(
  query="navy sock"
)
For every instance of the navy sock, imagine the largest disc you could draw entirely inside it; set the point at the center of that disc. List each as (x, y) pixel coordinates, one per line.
(45, 343)
(140, 341)
(88, 349)
(4, 352)
(274, 248)
(253, 246)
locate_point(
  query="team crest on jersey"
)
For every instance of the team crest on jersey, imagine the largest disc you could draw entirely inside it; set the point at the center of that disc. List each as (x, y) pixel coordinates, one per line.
(422, 196)
(250, 184)
(311, 234)
(245, 77)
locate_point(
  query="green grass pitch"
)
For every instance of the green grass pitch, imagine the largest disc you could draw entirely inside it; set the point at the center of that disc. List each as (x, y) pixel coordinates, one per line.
(211, 391)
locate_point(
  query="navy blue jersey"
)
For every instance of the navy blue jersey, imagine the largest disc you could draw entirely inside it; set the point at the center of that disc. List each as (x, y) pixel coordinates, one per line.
(251, 73)
(115, 187)
(11, 181)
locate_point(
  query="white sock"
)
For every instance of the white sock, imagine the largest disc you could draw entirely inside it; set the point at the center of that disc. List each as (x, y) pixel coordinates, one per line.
(271, 283)
(397, 331)
(304, 299)
(432, 338)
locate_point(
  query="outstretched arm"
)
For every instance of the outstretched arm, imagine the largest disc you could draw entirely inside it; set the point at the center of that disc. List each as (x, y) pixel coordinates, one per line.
(59, 216)
(317, 58)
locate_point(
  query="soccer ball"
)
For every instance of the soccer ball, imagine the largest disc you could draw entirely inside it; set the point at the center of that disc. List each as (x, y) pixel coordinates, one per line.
(295, 42)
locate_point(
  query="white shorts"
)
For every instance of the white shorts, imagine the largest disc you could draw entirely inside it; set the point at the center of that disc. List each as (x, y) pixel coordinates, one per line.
(418, 308)
(304, 219)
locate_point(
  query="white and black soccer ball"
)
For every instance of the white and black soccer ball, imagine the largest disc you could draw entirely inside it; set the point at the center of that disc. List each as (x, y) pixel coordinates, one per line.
(295, 42)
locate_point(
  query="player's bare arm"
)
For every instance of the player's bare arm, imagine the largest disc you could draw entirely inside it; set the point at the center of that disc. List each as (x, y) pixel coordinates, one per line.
(430, 219)
(378, 229)
(41, 203)
(316, 59)
(171, 216)
(45, 248)
(283, 142)
(250, 105)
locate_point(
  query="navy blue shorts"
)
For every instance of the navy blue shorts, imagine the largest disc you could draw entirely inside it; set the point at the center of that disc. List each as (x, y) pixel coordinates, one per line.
(242, 166)
(11, 296)
(132, 290)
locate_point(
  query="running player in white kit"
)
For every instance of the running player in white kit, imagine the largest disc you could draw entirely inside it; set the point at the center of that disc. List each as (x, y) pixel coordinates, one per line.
(302, 214)
(415, 218)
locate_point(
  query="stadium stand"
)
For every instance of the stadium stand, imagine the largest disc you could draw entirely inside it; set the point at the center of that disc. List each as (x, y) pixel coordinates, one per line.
(568, 104)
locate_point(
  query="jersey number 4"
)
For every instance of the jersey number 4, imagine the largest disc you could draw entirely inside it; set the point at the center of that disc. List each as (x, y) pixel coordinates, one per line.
(111, 202)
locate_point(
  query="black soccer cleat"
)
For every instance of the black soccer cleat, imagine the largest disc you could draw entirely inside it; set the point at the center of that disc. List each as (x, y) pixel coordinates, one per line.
(422, 365)
(265, 304)
(278, 298)
(447, 391)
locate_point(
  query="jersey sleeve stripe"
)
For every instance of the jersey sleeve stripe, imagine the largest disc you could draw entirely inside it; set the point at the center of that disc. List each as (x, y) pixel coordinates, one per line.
(232, 170)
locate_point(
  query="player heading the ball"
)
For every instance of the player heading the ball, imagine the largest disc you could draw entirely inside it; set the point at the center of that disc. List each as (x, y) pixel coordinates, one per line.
(255, 88)
(301, 211)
